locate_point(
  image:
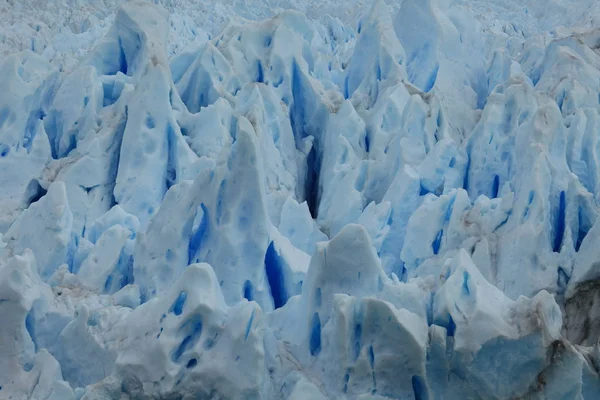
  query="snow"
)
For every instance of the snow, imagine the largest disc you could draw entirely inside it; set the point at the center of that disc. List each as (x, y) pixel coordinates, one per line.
(299, 199)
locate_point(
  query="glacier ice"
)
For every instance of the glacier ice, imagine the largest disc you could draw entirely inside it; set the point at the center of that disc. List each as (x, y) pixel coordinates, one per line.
(399, 201)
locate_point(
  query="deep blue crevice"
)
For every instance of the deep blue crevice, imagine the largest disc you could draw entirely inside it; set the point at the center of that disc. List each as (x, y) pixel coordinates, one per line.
(298, 119)
(562, 280)
(260, 75)
(73, 243)
(192, 363)
(559, 223)
(248, 291)
(275, 276)
(72, 144)
(560, 99)
(171, 173)
(311, 188)
(529, 203)
(401, 271)
(451, 328)
(371, 357)
(522, 117)
(357, 340)
(112, 90)
(122, 59)
(178, 304)
(584, 228)
(192, 331)
(181, 64)
(420, 388)
(431, 80)
(535, 75)
(4, 150)
(448, 324)
(346, 380)
(249, 325)
(30, 326)
(503, 222)
(115, 150)
(31, 128)
(34, 192)
(126, 270)
(495, 186)
(198, 235)
(108, 283)
(220, 197)
(437, 242)
(467, 168)
(346, 89)
(465, 284)
(315, 335)
(200, 92)
(297, 112)
(450, 208)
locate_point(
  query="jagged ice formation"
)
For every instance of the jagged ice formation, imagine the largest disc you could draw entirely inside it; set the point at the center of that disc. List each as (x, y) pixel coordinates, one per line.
(304, 209)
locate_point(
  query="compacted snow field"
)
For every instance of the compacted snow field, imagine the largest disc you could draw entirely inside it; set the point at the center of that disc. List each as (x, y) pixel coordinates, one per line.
(299, 199)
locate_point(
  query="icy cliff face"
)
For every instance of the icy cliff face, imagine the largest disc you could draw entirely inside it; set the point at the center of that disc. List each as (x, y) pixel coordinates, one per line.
(304, 209)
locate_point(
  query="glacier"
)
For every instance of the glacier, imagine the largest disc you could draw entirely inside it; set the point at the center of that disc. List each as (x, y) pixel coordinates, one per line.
(300, 200)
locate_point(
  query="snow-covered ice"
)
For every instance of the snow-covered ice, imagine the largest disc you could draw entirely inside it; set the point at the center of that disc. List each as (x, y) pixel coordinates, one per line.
(299, 199)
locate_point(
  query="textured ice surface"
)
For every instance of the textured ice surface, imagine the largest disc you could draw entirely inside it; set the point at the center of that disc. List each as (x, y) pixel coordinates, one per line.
(299, 200)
